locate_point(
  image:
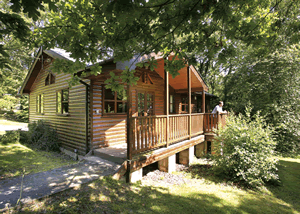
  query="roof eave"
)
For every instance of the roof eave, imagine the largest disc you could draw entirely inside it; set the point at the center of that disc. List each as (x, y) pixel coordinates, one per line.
(21, 91)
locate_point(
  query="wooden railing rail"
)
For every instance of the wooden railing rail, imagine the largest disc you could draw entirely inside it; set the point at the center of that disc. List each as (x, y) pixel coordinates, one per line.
(150, 132)
(211, 121)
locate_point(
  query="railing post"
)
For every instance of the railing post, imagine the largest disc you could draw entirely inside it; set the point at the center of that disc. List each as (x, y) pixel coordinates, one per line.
(129, 115)
(167, 106)
(190, 101)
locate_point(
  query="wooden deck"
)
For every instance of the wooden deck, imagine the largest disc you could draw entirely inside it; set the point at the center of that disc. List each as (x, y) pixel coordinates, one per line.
(149, 143)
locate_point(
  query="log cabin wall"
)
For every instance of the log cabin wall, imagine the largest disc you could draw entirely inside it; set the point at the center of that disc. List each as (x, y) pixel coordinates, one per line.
(71, 128)
(111, 129)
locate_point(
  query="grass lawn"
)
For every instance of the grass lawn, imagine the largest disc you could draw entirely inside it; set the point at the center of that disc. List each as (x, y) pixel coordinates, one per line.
(203, 195)
(14, 157)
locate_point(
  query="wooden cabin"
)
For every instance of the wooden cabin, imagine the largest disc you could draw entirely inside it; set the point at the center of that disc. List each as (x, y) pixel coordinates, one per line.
(156, 118)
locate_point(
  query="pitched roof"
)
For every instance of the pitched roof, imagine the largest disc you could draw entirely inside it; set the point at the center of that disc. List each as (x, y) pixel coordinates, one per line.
(58, 53)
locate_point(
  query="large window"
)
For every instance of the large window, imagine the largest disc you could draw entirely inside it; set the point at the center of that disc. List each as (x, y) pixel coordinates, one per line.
(113, 102)
(40, 103)
(145, 105)
(62, 101)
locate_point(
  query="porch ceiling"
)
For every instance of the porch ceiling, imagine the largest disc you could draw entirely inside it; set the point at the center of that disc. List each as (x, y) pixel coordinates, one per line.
(179, 83)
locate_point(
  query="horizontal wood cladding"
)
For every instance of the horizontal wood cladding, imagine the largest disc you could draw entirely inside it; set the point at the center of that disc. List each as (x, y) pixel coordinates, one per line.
(71, 128)
(111, 129)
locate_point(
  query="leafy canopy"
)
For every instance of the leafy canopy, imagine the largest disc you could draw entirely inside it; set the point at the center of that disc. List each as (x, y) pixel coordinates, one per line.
(93, 30)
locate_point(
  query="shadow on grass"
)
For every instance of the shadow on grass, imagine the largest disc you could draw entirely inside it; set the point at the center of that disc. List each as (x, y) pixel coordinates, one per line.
(14, 157)
(289, 191)
(111, 196)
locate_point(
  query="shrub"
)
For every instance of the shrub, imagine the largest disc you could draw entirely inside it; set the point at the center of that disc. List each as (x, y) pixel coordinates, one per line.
(288, 143)
(245, 150)
(19, 116)
(9, 137)
(42, 136)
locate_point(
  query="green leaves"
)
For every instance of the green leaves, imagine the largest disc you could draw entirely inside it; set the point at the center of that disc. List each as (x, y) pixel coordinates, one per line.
(245, 149)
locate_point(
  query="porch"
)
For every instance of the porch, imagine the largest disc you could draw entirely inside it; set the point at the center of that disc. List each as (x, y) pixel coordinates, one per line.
(151, 142)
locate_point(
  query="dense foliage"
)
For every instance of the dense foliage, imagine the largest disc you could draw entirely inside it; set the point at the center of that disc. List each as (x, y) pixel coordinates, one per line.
(95, 30)
(245, 150)
(271, 85)
(41, 136)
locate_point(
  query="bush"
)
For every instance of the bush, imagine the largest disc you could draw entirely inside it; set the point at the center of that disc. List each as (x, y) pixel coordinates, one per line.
(19, 116)
(245, 150)
(41, 136)
(9, 137)
(288, 143)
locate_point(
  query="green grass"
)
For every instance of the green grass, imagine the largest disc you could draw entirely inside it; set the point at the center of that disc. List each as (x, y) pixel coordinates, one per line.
(204, 195)
(14, 158)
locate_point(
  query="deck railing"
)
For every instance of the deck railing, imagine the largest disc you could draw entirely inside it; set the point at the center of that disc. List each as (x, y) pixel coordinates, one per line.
(212, 121)
(152, 131)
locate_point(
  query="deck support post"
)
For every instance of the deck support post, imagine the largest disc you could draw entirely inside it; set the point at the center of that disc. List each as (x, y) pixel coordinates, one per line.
(168, 164)
(200, 150)
(167, 106)
(190, 101)
(128, 131)
(186, 157)
(136, 175)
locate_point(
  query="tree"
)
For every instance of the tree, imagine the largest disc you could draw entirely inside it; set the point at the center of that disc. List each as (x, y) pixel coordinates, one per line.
(271, 85)
(93, 30)
(15, 25)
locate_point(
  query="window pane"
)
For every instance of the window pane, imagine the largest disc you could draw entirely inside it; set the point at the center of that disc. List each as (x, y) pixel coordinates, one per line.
(47, 80)
(184, 100)
(183, 108)
(52, 81)
(141, 96)
(150, 97)
(58, 102)
(109, 95)
(38, 103)
(65, 94)
(122, 95)
(171, 98)
(42, 103)
(109, 107)
(150, 112)
(171, 108)
(65, 108)
(122, 107)
(149, 106)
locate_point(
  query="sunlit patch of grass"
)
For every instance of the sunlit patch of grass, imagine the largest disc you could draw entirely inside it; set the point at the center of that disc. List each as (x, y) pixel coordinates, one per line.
(14, 158)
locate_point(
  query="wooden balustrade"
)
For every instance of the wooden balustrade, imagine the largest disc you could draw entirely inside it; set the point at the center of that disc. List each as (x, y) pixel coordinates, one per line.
(151, 132)
(211, 121)
(197, 124)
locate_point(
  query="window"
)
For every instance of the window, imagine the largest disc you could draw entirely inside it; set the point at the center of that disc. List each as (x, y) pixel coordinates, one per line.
(145, 105)
(50, 79)
(172, 104)
(113, 102)
(62, 101)
(184, 104)
(40, 103)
